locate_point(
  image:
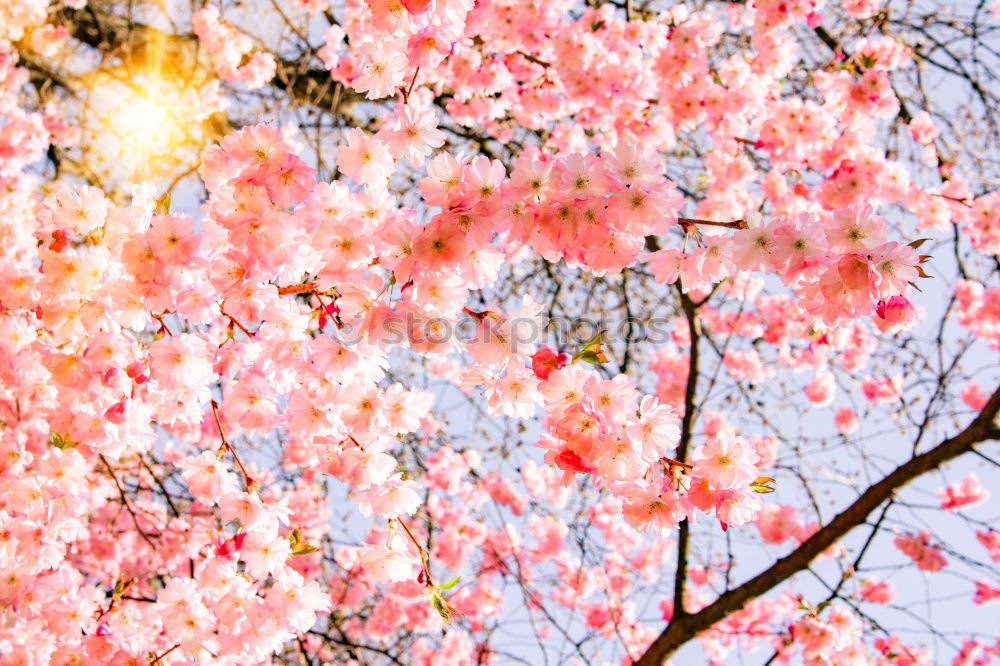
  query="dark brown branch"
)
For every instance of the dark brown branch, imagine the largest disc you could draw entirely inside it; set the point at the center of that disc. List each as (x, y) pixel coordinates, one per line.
(143, 44)
(128, 505)
(684, 443)
(684, 627)
(534, 59)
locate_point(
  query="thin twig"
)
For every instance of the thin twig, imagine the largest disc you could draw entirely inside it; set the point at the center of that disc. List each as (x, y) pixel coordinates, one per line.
(235, 322)
(247, 480)
(156, 659)
(735, 224)
(307, 288)
(128, 505)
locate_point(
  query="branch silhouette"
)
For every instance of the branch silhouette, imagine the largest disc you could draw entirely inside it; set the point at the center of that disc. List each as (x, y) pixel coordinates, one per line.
(683, 627)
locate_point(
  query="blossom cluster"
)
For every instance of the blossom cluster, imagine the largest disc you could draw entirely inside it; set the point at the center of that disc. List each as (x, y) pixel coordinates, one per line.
(148, 356)
(232, 51)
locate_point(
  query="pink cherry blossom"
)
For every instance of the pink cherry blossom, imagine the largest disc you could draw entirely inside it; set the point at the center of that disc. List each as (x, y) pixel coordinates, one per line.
(385, 564)
(437, 325)
(876, 591)
(726, 461)
(846, 420)
(919, 549)
(967, 493)
(366, 159)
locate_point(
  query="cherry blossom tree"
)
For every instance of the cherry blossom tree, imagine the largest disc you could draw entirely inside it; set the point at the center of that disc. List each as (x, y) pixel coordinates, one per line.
(499, 331)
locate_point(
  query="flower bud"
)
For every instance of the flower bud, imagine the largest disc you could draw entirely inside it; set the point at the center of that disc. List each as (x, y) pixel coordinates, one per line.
(116, 413)
(137, 372)
(545, 360)
(417, 6)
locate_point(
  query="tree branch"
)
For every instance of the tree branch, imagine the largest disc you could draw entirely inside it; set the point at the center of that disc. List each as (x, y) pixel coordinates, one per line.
(687, 423)
(684, 627)
(106, 30)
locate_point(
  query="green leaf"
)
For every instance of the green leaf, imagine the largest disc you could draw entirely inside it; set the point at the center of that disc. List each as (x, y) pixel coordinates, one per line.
(868, 62)
(163, 204)
(304, 549)
(591, 351)
(437, 601)
(450, 584)
(596, 358)
(759, 485)
(594, 342)
(447, 612)
(60, 442)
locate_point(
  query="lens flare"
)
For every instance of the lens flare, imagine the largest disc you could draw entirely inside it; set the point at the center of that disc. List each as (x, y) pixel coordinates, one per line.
(142, 122)
(141, 126)
(136, 128)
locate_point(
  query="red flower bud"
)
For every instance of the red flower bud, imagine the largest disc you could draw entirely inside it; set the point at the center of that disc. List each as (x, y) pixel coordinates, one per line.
(545, 360)
(116, 412)
(137, 372)
(571, 462)
(60, 240)
(417, 6)
(108, 377)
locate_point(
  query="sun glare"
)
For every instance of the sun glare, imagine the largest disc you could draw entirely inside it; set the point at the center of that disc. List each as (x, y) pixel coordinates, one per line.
(142, 122)
(138, 129)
